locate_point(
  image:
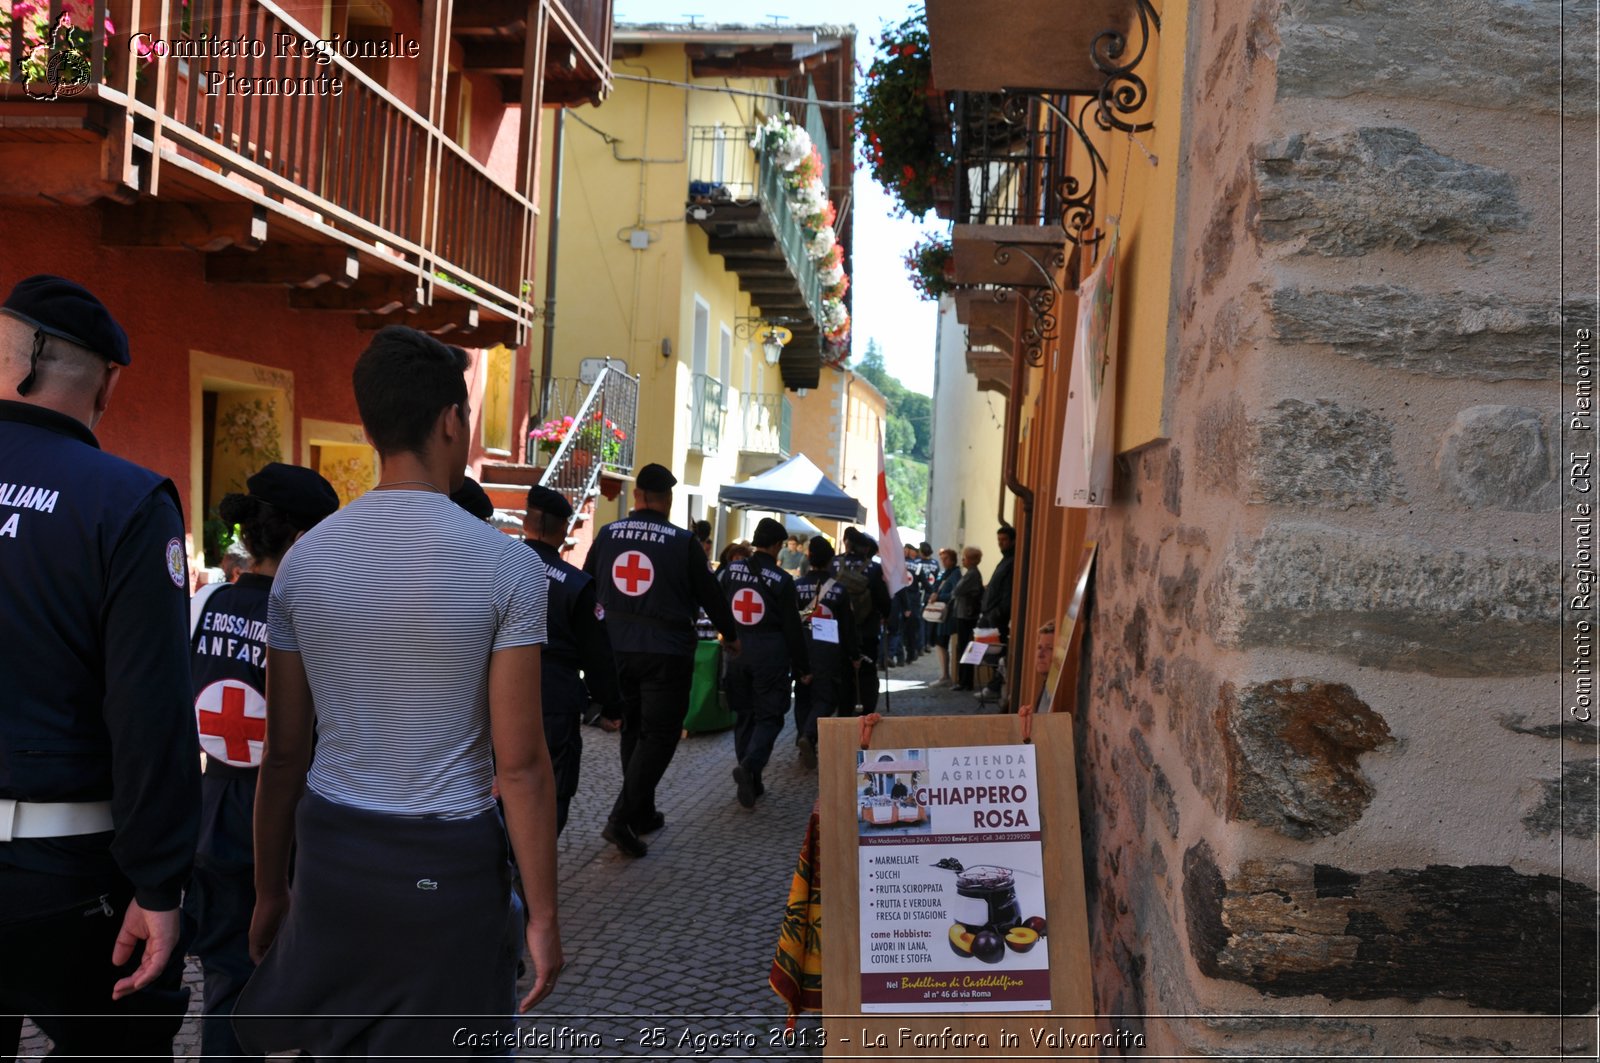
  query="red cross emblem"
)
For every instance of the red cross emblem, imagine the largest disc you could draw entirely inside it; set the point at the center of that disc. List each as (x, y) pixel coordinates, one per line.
(233, 722)
(822, 611)
(748, 608)
(633, 573)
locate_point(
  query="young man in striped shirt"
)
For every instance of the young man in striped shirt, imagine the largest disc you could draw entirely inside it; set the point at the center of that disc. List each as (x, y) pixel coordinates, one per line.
(410, 632)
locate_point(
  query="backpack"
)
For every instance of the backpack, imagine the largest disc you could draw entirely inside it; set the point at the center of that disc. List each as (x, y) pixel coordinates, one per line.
(852, 576)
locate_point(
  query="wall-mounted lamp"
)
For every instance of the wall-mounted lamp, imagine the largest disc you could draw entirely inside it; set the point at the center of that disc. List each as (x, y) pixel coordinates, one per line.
(772, 336)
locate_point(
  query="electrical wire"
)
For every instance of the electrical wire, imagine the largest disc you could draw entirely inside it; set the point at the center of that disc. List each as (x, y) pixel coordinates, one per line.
(835, 105)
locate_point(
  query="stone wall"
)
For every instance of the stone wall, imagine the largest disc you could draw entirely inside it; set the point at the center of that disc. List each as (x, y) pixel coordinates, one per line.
(1323, 752)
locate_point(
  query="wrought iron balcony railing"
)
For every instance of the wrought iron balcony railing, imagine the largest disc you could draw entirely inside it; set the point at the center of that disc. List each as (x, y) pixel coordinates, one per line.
(1009, 161)
(602, 437)
(766, 422)
(726, 175)
(705, 426)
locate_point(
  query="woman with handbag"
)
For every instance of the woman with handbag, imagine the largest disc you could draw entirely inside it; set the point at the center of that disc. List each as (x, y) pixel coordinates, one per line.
(968, 605)
(940, 614)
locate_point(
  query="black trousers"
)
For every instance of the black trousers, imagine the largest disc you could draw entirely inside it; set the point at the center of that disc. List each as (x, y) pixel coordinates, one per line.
(758, 693)
(220, 900)
(57, 969)
(966, 672)
(565, 697)
(831, 681)
(655, 700)
(867, 675)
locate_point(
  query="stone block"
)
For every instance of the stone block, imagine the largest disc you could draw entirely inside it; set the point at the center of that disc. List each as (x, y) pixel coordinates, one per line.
(1500, 457)
(1489, 936)
(1192, 695)
(1345, 194)
(1293, 747)
(1569, 803)
(1452, 334)
(1387, 602)
(1499, 54)
(1322, 453)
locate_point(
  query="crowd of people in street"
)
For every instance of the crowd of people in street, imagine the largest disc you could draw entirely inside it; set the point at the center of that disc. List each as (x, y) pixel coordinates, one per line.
(389, 699)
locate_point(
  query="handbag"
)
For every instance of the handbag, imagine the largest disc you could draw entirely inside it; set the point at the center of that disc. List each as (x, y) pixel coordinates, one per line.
(934, 612)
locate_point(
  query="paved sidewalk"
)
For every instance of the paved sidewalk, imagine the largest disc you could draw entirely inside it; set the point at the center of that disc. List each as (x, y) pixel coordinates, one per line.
(679, 943)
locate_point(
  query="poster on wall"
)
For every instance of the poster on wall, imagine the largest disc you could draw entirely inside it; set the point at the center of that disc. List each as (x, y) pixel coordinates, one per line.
(1088, 438)
(952, 909)
(1068, 637)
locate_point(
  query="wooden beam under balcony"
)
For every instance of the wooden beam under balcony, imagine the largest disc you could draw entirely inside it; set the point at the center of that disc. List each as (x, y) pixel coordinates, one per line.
(295, 265)
(374, 293)
(506, 16)
(757, 267)
(196, 226)
(488, 334)
(445, 318)
(746, 247)
(493, 57)
(775, 61)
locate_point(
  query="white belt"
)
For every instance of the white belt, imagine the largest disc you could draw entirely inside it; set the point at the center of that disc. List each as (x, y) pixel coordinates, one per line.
(57, 819)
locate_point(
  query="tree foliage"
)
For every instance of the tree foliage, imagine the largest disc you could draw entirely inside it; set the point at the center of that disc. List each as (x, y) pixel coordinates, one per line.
(908, 490)
(910, 418)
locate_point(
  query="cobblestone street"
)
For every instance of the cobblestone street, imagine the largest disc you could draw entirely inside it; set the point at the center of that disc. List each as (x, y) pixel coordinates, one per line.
(678, 943)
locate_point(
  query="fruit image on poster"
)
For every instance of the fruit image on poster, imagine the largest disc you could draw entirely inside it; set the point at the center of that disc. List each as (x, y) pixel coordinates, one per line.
(952, 904)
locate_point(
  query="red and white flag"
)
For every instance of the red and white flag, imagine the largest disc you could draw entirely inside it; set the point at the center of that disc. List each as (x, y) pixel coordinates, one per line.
(891, 552)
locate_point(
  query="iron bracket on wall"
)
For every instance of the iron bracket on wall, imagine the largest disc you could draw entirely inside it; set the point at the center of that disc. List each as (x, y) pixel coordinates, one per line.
(1121, 93)
(1041, 329)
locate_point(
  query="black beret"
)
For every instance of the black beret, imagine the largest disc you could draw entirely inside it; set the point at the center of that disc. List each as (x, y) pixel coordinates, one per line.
(768, 533)
(470, 497)
(548, 501)
(656, 478)
(69, 311)
(298, 493)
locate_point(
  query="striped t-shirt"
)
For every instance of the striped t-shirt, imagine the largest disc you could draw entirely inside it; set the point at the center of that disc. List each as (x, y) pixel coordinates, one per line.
(395, 604)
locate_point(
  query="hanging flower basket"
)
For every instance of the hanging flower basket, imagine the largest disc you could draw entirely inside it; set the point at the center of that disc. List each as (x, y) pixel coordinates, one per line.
(902, 121)
(931, 264)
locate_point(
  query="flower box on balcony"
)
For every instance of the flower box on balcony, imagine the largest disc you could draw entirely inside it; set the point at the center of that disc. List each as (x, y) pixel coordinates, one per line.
(1041, 45)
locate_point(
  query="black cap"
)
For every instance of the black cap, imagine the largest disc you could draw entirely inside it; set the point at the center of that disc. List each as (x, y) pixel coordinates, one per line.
(768, 533)
(864, 544)
(69, 311)
(298, 493)
(545, 500)
(470, 497)
(656, 478)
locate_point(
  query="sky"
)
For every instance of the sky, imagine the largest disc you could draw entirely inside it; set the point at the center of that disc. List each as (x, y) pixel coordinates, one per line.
(885, 305)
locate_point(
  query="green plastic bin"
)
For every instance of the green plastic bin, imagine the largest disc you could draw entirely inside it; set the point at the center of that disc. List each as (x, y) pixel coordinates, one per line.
(708, 709)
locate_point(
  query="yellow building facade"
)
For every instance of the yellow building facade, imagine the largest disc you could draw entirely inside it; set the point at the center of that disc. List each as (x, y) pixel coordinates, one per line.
(638, 277)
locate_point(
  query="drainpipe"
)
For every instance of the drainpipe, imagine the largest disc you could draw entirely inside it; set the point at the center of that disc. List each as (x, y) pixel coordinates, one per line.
(547, 355)
(1020, 567)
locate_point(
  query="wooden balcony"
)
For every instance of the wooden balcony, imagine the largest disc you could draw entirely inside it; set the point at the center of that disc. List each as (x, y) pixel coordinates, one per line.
(280, 180)
(576, 48)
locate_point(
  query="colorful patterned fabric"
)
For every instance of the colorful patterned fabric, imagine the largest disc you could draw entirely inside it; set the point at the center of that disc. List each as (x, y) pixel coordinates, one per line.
(797, 967)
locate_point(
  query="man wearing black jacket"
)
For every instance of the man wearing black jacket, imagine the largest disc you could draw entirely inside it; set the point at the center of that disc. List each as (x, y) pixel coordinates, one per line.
(652, 577)
(99, 758)
(577, 632)
(765, 605)
(997, 598)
